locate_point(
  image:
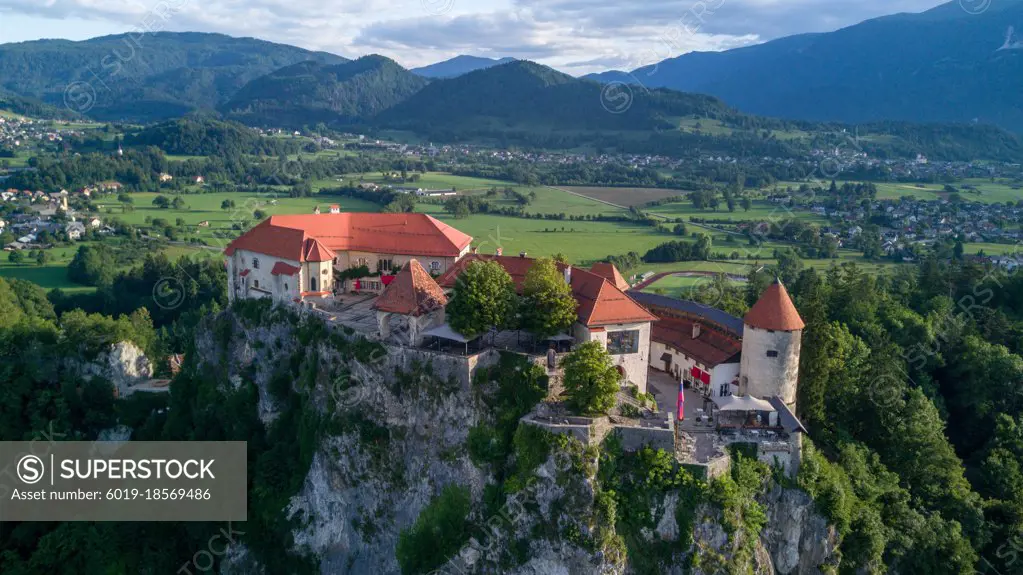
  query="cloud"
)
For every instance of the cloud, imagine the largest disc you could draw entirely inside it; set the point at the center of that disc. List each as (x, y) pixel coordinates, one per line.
(578, 36)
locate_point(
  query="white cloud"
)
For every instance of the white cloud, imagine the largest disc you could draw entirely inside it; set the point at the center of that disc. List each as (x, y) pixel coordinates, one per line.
(577, 36)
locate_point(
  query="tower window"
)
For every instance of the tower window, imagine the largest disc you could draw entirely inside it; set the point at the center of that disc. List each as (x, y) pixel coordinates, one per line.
(772, 353)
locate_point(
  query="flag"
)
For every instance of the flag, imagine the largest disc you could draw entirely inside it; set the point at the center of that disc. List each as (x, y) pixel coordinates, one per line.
(681, 402)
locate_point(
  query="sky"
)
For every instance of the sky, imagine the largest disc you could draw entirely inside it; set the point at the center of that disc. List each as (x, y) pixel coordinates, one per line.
(575, 36)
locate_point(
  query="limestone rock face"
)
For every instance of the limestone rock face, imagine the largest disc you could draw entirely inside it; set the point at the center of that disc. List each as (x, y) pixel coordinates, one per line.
(124, 364)
(799, 540)
(360, 494)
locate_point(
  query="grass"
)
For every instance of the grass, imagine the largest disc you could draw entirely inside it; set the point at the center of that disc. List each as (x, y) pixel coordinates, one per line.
(206, 207)
(623, 196)
(986, 191)
(681, 285)
(760, 210)
(54, 273)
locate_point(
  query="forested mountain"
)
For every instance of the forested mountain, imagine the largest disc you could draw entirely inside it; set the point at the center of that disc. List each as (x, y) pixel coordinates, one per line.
(458, 65)
(206, 137)
(161, 75)
(528, 95)
(946, 64)
(312, 92)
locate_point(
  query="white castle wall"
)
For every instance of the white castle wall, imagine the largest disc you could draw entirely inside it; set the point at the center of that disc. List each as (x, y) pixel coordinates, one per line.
(763, 376)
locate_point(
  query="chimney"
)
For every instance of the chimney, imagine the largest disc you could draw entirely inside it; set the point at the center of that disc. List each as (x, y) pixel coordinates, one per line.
(568, 275)
(522, 254)
(696, 330)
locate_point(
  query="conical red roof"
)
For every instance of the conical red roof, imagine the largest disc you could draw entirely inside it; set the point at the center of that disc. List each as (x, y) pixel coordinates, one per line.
(774, 310)
(412, 292)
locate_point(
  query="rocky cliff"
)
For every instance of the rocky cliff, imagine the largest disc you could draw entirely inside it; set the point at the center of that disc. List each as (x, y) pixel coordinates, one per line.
(417, 469)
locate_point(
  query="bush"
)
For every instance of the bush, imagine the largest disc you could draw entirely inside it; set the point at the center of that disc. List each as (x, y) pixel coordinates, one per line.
(439, 531)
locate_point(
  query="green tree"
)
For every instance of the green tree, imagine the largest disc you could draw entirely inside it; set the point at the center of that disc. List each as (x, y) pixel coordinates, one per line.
(484, 297)
(746, 203)
(178, 203)
(547, 307)
(227, 205)
(591, 379)
(42, 256)
(441, 528)
(161, 202)
(16, 257)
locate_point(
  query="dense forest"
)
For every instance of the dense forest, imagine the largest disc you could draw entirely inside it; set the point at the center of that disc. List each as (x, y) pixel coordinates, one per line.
(908, 384)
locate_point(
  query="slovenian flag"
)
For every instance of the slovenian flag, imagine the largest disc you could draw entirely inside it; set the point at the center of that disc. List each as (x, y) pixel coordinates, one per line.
(681, 402)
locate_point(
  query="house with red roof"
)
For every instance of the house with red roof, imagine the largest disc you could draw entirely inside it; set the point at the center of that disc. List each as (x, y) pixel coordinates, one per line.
(696, 344)
(290, 258)
(605, 312)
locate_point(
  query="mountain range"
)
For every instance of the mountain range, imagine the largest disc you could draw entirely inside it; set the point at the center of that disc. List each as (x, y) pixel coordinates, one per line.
(458, 66)
(314, 92)
(159, 75)
(947, 64)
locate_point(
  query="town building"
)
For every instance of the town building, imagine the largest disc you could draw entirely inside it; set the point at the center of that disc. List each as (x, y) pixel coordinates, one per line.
(290, 258)
(605, 312)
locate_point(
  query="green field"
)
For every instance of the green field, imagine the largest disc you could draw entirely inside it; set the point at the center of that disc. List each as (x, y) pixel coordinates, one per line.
(760, 210)
(54, 273)
(986, 191)
(206, 207)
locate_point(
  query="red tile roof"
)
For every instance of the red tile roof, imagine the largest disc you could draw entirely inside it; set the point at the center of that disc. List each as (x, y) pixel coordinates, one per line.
(315, 251)
(774, 310)
(600, 302)
(399, 234)
(611, 273)
(412, 292)
(281, 268)
(712, 347)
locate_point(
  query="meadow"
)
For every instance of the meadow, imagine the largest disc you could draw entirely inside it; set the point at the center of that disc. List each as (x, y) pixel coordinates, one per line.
(626, 197)
(985, 191)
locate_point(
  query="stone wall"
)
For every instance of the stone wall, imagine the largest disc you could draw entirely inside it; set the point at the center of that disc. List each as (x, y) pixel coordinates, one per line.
(590, 431)
(634, 438)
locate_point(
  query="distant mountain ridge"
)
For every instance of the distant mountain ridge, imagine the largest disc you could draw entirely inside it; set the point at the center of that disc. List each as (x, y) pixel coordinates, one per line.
(943, 65)
(313, 92)
(458, 66)
(162, 75)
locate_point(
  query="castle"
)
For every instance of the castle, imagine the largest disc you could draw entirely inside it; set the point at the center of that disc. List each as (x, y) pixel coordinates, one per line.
(740, 376)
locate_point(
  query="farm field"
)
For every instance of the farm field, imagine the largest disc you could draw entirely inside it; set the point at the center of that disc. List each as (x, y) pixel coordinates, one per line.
(627, 197)
(548, 201)
(54, 273)
(206, 207)
(761, 210)
(989, 192)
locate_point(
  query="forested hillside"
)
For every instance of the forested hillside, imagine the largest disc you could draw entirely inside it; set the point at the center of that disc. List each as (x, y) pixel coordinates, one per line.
(163, 75)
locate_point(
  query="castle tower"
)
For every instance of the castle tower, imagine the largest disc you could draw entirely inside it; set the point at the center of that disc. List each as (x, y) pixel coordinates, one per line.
(771, 335)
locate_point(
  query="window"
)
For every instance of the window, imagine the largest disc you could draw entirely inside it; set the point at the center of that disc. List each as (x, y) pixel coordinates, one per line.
(312, 284)
(385, 265)
(255, 284)
(434, 266)
(724, 391)
(362, 262)
(285, 287)
(772, 353)
(619, 342)
(323, 273)
(255, 263)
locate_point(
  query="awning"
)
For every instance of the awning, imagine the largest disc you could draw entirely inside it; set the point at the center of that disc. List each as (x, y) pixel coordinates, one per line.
(742, 403)
(445, 332)
(665, 357)
(561, 337)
